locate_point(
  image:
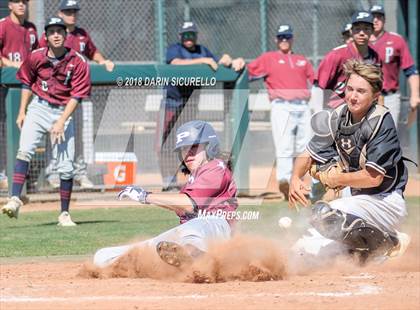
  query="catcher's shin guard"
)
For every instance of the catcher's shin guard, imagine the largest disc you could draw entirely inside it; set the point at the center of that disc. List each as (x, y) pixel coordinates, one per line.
(360, 236)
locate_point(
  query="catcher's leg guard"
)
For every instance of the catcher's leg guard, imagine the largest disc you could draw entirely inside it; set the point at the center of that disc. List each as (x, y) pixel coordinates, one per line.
(360, 236)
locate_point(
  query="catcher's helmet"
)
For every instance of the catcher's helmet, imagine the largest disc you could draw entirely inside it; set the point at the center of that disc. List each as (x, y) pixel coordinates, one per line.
(198, 132)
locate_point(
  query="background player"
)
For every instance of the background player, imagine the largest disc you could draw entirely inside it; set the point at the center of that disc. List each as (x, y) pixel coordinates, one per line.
(210, 188)
(366, 142)
(186, 52)
(18, 37)
(59, 77)
(395, 55)
(330, 74)
(346, 33)
(288, 78)
(79, 40)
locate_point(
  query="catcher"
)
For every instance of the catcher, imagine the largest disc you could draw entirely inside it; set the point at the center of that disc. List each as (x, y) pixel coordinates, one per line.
(359, 150)
(210, 188)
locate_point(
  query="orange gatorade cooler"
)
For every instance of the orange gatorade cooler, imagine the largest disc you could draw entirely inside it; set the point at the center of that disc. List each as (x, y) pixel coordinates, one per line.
(121, 167)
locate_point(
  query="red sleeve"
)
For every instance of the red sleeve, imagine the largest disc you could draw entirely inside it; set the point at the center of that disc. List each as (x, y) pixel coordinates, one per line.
(258, 68)
(43, 41)
(90, 48)
(310, 71)
(406, 58)
(327, 70)
(1, 38)
(81, 84)
(26, 73)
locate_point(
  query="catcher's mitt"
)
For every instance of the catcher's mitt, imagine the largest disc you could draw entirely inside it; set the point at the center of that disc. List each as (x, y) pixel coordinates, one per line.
(323, 174)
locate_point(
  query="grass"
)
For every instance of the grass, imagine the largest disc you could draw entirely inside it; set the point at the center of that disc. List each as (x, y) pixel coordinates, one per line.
(36, 233)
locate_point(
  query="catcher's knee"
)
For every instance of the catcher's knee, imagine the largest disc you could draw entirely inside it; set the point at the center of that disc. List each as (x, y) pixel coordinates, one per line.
(356, 233)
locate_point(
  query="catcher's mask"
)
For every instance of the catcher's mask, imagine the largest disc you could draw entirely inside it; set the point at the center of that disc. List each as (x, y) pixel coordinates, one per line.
(197, 132)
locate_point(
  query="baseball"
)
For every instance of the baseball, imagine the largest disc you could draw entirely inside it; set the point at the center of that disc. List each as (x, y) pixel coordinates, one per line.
(285, 222)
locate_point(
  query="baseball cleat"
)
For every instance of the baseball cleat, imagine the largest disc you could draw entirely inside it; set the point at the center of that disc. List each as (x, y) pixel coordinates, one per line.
(54, 181)
(12, 207)
(173, 253)
(401, 247)
(65, 220)
(84, 182)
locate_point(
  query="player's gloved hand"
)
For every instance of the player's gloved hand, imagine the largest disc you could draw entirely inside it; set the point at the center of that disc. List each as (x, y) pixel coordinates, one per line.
(327, 174)
(134, 193)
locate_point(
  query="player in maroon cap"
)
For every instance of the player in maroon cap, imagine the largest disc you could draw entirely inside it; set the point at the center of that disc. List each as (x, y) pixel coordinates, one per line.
(395, 55)
(18, 37)
(330, 75)
(59, 79)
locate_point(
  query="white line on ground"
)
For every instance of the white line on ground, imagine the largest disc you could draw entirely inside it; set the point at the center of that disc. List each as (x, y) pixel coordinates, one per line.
(361, 290)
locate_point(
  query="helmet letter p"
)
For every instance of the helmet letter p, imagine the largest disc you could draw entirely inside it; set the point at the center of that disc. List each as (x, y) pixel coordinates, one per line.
(181, 136)
(362, 15)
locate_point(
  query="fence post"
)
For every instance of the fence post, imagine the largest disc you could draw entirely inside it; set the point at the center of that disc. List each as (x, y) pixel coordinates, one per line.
(413, 43)
(12, 110)
(160, 30)
(239, 127)
(263, 25)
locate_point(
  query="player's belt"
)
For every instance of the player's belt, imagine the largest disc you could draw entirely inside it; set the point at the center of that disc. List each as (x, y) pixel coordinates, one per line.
(51, 105)
(389, 92)
(293, 101)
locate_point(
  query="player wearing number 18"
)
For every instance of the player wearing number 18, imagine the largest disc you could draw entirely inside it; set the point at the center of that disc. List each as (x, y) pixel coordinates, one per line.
(18, 37)
(59, 79)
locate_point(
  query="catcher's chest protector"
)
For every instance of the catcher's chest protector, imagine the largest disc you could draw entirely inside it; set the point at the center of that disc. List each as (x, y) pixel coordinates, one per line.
(351, 140)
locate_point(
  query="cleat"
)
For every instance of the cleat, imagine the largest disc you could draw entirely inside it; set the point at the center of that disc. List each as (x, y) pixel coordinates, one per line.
(401, 247)
(11, 209)
(64, 220)
(84, 182)
(173, 253)
(54, 181)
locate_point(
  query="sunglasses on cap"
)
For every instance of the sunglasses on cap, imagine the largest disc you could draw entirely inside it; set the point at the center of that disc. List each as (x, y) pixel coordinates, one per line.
(188, 36)
(284, 37)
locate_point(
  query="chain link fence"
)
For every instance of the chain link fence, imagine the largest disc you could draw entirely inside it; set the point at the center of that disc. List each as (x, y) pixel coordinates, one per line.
(128, 31)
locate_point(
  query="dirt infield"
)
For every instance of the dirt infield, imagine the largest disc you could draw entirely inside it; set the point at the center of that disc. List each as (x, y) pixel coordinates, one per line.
(59, 285)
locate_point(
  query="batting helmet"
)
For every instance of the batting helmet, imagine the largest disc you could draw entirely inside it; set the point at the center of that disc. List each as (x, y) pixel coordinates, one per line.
(198, 132)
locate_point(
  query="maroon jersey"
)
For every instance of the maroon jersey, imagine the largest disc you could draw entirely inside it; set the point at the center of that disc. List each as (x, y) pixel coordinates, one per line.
(56, 82)
(212, 188)
(331, 75)
(394, 53)
(79, 40)
(17, 41)
(286, 76)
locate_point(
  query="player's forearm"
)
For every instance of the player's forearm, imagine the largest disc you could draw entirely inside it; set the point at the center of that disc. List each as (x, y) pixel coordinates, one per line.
(179, 203)
(70, 107)
(186, 62)
(413, 82)
(360, 179)
(24, 100)
(302, 165)
(98, 58)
